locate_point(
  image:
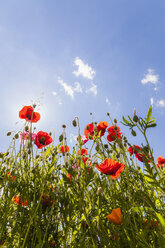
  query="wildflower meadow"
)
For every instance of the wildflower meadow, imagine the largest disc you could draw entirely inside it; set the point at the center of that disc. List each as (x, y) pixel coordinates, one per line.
(103, 192)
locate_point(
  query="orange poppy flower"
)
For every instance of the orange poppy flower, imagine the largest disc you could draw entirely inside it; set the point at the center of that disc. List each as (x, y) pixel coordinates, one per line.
(89, 131)
(102, 127)
(64, 149)
(27, 113)
(114, 132)
(82, 152)
(69, 176)
(17, 200)
(160, 162)
(115, 217)
(42, 139)
(111, 167)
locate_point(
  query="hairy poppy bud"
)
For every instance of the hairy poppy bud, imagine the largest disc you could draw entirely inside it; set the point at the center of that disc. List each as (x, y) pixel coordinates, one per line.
(74, 123)
(50, 133)
(97, 148)
(108, 114)
(99, 190)
(133, 132)
(152, 125)
(61, 138)
(106, 146)
(64, 126)
(115, 121)
(135, 118)
(9, 133)
(16, 136)
(26, 128)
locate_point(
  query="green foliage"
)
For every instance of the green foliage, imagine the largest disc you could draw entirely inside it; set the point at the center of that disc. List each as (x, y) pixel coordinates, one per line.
(55, 210)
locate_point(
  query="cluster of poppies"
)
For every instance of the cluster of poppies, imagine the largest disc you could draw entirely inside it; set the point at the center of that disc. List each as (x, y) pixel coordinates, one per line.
(41, 139)
(100, 129)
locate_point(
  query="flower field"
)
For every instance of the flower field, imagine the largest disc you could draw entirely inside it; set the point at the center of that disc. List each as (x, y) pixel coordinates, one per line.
(103, 192)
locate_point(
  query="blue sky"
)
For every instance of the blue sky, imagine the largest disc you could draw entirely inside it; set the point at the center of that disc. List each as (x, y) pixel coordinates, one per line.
(74, 57)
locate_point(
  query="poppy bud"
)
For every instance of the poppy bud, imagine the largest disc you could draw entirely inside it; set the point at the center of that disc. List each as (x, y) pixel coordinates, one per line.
(152, 125)
(108, 114)
(99, 190)
(90, 113)
(63, 126)
(133, 132)
(26, 128)
(61, 138)
(9, 133)
(74, 123)
(106, 146)
(115, 121)
(50, 133)
(97, 148)
(135, 118)
(16, 136)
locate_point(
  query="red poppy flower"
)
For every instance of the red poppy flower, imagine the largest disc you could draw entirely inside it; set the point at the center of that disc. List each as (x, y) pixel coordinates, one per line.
(8, 176)
(46, 201)
(42, 139)
(102, 127)
(134, 149)
(27, 113)
(160, 162)
(18, 201)
(64, 149)
(151, 224)
(83, 152)
(69, 176)
(114, 132)
(111, 167)
(89, 131)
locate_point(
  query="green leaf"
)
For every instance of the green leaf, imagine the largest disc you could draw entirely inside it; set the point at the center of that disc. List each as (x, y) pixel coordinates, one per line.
(127, 123)
(161, 219)
(149, 114)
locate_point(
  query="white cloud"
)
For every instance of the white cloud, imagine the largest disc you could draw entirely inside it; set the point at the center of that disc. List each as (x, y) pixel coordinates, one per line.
(161, 103)
(152, 100)
(107, 101)
(78, 87)
(67, 88)
(92, 89)
(150, 77)
(83, 69)
(57, 97)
